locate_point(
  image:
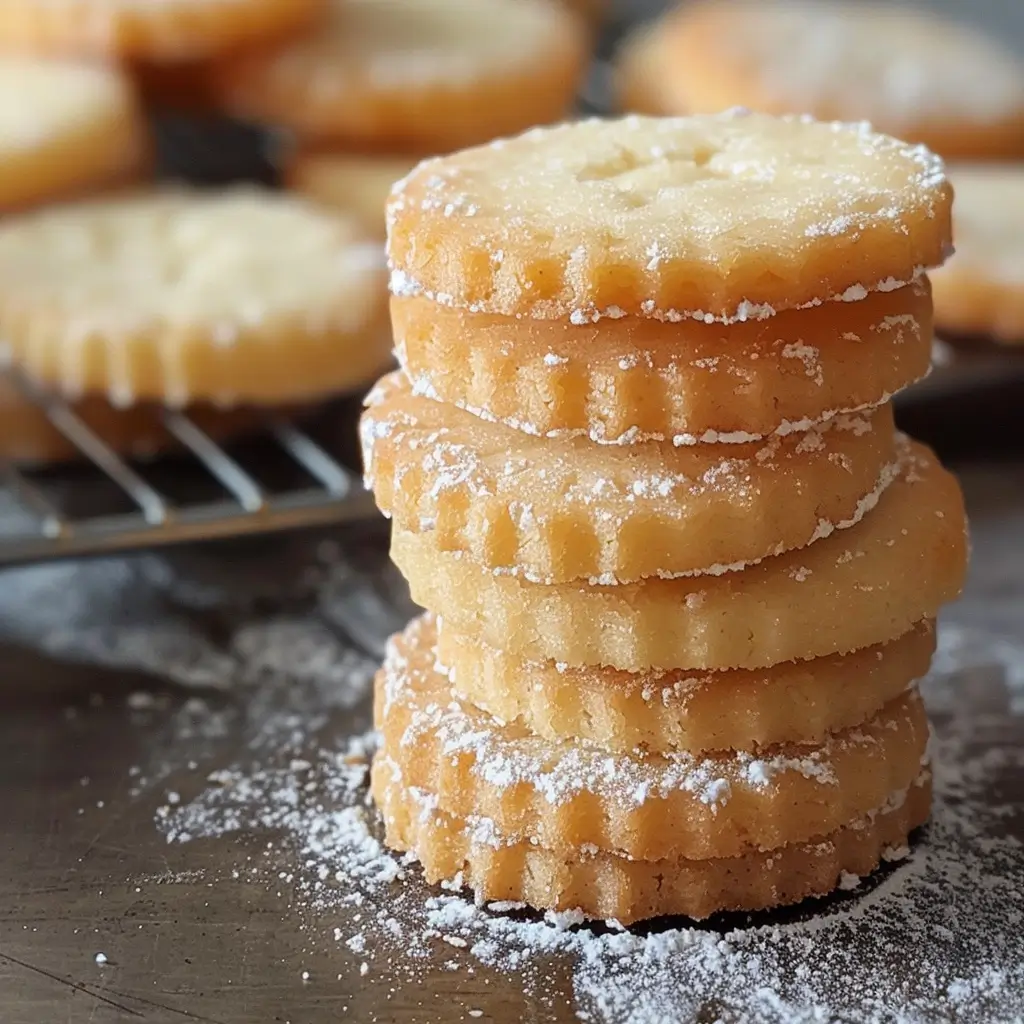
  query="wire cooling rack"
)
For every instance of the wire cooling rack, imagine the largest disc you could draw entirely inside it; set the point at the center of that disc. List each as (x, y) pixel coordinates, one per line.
(281, 477)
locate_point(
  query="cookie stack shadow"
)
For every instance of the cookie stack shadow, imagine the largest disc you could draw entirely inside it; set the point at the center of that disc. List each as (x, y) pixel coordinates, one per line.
(681, 569)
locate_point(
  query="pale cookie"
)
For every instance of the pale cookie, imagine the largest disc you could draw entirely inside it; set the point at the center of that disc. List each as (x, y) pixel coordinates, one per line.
(659, 711)
(725, 217)
(981, 290)
(27, 436)
(161, 30)
(911, 73)
(65, 128)
(239, 297)
(564, 796)
(419, 76)
(633, 379)
(556, 510)
(859, 587)
(356, 185)
(609, 887)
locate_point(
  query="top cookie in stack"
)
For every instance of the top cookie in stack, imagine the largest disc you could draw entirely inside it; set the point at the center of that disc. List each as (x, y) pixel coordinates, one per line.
(640, 459)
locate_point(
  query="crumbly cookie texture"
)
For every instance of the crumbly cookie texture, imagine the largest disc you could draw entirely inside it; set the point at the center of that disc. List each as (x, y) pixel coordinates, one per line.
(154, 29)
(556, 510)
(568, 796)
(632, 379)
(609, 887)
(414, 76)
(234, 297)
(65, 128)
(726, 217)
(859, 587)
(662, 711)
(911, 73)
(981, 290)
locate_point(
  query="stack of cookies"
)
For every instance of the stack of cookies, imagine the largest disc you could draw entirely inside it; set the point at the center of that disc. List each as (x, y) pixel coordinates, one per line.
(681, 570)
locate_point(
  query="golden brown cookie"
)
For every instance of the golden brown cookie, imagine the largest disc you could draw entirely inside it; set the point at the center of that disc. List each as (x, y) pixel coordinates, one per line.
(568, 796)
(640, 72)
(726, 217)
(356, 185)
(660, 711)
(635, 379)
(234, 298)
(606, 886)
(155, 29)
(556, 510)
(859, 587)
(414, 76)
(65, 129)
(911, 73)
(981, 290)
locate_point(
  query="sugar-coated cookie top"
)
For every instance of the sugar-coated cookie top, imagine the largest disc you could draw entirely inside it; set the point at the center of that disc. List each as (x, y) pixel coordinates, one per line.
(898, 68)
(727, 216)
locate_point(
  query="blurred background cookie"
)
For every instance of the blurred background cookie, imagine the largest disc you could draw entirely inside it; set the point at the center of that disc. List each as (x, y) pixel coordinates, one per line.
(416, 76)
(236, 297)
(66, 129)
(980, 292)
(911, 73)
(357, 185)
(148, 29)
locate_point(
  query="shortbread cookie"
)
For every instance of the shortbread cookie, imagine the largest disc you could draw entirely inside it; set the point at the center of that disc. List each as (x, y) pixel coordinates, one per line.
(660, 711)
(606, 886)
(639, 82)
(565, 796)
(154, 29)
(65, 128)
(233, 298)
(27, 436)
(859, 587)
(635, 379)
(910, 73)
(356, 185)
(556, 510)
(416, 76)
(724, 217)
(981, 290)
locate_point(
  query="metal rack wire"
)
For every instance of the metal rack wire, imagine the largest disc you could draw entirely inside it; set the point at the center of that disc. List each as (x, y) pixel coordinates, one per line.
(50, 528)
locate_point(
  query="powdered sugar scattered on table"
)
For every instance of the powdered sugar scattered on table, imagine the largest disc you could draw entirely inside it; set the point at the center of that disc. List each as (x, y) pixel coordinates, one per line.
(937, 937)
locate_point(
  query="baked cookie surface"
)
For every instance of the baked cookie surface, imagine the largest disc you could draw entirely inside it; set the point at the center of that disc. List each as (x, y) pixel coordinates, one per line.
(726, 217)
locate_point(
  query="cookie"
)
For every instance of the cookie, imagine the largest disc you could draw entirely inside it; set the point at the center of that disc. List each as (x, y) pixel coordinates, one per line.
(167, 30)
(639, 73)
(981, 290)
(567, 796)
(414, 76)
(356, 185)
(859, 587)
(726, 217)
(911, 73)
(556, 510)
(608, 887)
(634, 379)
(234, 298)
(65, 129)
(28, 437)
(661, 711)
